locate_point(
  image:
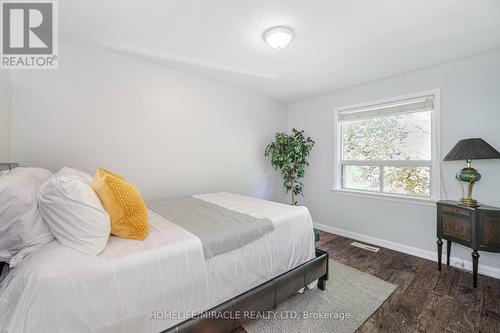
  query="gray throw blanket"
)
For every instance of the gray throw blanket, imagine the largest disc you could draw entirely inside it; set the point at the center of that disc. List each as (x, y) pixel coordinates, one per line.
(220, 229)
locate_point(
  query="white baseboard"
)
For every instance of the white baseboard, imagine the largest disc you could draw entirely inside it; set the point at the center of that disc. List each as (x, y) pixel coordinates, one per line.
(429, 255)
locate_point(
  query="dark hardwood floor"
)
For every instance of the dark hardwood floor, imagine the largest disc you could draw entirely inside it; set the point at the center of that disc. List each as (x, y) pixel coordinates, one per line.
(426, 300)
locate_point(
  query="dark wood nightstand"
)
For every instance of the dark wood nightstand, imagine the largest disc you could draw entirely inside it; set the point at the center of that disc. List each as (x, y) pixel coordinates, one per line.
(474, 227)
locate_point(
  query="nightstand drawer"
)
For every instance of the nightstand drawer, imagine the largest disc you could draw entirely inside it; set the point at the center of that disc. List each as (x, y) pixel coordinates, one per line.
(457, 227)
(455, 210)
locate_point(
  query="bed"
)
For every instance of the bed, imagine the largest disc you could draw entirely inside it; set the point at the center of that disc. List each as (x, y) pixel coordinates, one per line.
(165, 282)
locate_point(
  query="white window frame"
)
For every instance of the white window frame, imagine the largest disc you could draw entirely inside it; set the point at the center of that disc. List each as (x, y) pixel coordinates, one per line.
(434, 164)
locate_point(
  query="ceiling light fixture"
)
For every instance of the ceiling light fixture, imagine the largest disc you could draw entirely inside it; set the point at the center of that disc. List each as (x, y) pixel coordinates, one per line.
(279, 37)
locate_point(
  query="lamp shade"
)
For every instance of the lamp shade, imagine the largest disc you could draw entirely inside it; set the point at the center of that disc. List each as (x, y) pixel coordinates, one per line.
(472, 149)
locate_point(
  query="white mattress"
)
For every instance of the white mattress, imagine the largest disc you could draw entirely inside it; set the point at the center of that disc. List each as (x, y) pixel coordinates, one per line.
(133, 283)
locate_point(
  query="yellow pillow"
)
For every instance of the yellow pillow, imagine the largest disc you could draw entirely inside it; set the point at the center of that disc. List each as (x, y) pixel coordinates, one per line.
(124, 204)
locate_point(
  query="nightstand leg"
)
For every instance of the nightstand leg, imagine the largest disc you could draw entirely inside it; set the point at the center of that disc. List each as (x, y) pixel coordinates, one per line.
(448, 252)
(440, 252)
(475, 262)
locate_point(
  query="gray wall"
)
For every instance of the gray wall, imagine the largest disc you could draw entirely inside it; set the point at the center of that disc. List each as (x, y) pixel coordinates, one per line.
(470, 107)
(169, 132)
(5, 95)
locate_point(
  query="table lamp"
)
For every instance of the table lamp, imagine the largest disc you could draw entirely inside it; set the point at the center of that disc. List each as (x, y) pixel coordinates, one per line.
(468, 150)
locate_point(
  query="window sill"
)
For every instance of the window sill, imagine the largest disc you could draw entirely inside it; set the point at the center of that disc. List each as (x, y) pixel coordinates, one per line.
(388, 197)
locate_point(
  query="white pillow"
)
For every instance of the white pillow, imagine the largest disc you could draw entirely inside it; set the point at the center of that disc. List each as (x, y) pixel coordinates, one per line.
(74, 212)
(22, 229)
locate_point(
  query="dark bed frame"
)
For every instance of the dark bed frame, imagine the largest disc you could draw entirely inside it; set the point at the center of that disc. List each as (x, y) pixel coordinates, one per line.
(228, 316)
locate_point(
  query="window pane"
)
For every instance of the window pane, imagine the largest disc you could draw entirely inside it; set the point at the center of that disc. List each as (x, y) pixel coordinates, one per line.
(410, 181)
(398, 137)
(361, 177)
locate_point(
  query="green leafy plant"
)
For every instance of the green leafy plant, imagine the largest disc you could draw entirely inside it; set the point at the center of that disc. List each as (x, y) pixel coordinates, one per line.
(289, 155)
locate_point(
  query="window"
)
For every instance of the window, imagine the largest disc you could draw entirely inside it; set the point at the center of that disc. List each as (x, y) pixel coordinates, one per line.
(389, 147)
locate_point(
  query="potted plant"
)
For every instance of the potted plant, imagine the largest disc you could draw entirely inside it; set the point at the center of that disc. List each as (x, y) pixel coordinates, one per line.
(289, 154)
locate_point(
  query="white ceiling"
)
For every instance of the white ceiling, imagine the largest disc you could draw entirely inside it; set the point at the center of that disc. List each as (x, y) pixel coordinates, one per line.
(338, 43)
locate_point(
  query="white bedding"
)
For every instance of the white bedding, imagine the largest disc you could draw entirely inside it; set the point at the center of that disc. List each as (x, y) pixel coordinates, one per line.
(58, 289)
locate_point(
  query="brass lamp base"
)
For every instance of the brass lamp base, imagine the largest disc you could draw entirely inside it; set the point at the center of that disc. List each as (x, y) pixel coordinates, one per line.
(470, 176)
(469, 202)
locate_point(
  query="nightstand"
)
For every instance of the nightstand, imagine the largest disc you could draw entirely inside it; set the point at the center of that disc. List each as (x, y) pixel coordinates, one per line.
(475, 227)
